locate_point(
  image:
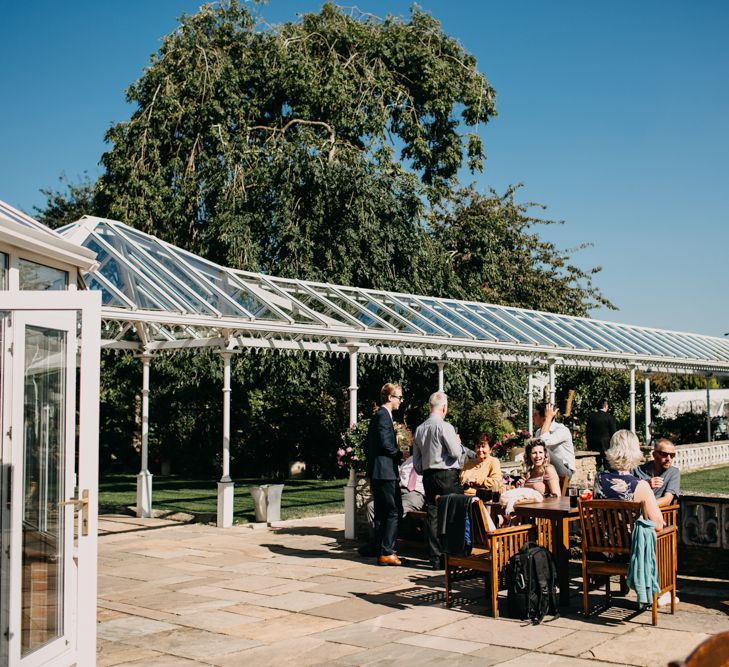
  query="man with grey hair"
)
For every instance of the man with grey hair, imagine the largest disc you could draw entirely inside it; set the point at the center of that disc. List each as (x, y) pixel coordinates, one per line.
(438, 456)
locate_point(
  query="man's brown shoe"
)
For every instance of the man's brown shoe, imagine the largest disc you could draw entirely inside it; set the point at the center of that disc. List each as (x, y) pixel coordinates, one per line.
(392, 559)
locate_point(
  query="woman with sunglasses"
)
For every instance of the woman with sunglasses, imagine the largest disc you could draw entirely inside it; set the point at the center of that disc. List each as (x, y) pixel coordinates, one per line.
(619, 483)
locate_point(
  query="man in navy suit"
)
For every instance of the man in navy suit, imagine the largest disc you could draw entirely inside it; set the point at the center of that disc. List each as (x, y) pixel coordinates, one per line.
(383, 458)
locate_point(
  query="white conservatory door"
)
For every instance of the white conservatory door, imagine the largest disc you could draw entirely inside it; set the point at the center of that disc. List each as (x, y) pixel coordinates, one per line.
(50, 404)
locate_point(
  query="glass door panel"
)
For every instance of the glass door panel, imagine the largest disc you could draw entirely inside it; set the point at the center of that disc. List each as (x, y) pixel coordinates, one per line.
(44, 454)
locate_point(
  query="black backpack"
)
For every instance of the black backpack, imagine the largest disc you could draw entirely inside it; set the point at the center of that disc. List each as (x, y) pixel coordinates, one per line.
(531, 583)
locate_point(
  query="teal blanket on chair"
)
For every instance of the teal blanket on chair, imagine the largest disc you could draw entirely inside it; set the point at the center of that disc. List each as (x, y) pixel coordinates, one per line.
(643, 570)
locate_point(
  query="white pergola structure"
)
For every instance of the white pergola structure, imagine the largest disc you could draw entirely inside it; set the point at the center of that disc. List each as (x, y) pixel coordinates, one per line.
(157, 298)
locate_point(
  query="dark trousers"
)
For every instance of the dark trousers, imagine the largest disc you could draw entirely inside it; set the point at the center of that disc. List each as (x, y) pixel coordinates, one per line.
(388, 510)
(437, 483)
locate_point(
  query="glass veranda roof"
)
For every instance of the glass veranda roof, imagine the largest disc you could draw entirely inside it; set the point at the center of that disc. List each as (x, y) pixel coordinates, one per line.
(157, 296)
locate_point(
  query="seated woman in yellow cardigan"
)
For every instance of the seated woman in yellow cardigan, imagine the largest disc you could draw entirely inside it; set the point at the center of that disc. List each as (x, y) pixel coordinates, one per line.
(483, 472)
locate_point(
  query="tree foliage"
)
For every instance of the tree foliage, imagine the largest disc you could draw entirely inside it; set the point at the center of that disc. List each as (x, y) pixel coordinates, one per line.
(328, 149)
(275, 149)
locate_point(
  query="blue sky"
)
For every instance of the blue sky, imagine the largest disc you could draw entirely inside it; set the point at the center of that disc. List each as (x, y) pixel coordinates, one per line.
(614, 114)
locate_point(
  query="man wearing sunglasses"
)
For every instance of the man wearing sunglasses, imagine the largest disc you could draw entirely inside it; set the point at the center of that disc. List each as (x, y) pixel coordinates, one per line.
(660, 473)
(383, 458)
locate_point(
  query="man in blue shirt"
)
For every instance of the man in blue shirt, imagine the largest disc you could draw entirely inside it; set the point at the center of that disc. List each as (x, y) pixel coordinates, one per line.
(660, 473)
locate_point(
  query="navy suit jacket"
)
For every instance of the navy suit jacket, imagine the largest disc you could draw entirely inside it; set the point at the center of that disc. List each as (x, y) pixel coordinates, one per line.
(383, 454)
(600, 428)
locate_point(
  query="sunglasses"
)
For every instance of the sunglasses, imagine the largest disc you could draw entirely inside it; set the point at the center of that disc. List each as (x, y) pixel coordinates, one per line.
(671, 454)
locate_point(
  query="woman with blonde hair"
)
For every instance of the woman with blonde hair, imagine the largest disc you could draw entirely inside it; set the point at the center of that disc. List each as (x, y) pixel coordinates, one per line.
(618, 482)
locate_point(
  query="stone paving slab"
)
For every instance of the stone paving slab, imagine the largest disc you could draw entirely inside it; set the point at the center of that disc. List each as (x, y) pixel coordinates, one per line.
(298, 594)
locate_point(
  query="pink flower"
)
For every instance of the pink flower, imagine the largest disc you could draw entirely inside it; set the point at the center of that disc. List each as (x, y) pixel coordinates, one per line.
(340, 452)
(348, 450)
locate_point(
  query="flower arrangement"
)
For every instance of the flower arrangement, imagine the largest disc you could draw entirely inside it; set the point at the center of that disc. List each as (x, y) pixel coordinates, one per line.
(351, 454)
(508, 442)
(403, 436)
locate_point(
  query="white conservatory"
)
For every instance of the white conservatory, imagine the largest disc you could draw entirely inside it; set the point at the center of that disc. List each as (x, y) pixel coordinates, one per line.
(49, 399)
(100, 283)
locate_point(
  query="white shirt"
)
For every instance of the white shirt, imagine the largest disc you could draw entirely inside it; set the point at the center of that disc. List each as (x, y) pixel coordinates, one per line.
(559, 443)
(405, 468)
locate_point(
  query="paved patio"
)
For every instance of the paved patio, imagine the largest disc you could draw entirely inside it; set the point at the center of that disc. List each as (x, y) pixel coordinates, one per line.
(297, 594)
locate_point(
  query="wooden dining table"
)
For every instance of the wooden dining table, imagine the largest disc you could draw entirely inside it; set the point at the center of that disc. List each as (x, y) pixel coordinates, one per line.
(559, 513)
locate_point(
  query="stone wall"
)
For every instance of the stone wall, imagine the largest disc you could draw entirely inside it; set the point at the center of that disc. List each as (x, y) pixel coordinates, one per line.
(703, 535)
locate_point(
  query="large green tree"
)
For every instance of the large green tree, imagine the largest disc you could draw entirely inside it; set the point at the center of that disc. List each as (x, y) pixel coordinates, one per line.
(327, 148)
(308, 149)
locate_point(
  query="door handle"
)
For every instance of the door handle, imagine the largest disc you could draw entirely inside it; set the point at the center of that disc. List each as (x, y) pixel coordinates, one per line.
(81, 503)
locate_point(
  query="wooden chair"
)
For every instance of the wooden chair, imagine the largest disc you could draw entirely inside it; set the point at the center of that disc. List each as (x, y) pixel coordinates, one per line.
(712, 652)
(491, 551)
(607, 526)
(670, 514)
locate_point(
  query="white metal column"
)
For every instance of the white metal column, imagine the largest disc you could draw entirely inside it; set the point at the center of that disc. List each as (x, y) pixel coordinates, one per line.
(708, 408)
(440, 363)
(144, 478)
(350, 503)
(647, 383)
(353, 357)
(226, 487)
(552, 380)
(530, 399)
(632, 398)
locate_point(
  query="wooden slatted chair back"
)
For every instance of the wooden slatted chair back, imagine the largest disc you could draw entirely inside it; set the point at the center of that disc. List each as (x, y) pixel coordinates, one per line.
(607, 525)
(479, 526)
(670, 514)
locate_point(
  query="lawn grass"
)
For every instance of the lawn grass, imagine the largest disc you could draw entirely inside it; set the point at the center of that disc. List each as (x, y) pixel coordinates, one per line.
(715, 480)
(301, 497)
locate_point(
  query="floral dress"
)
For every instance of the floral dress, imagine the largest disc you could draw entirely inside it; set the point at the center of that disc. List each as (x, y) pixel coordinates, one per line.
(612, 485)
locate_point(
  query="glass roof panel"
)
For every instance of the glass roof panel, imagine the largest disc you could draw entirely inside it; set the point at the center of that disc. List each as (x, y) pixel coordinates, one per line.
(504, 318)
(186, 299)
(544, 332)
(108, 298)
(457, 319)
(627, 334)
(592, 333)
(197, 293)
(719, 348)
(692, 345)
(227, 282)
(493, 325)
(317, 303)
(575, 336)
(129, 283)
(285, 302)
(650, 341)
(352, 307)
(427, 320)
(469, 320)
(669, 342)
(653, 342)
(617, 343)
(384, 310)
